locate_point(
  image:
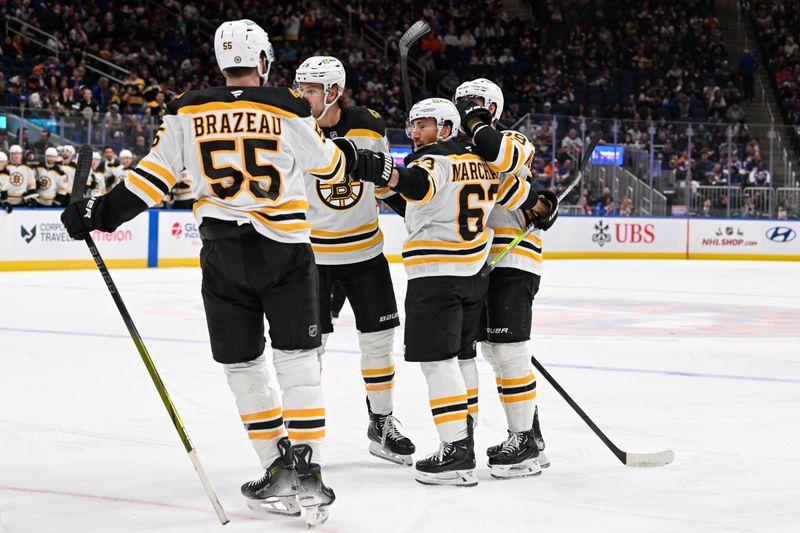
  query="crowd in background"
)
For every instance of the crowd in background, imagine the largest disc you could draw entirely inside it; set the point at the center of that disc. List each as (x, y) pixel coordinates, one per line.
(577, 67)
(777, 24)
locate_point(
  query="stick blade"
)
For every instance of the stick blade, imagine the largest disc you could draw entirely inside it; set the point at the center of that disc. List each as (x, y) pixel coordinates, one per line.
(82, 170)
(413, 34)
(649, 460)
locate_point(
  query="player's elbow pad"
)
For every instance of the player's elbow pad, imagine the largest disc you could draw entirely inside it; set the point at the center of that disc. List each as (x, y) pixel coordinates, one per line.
(413, 183)
(488, 142)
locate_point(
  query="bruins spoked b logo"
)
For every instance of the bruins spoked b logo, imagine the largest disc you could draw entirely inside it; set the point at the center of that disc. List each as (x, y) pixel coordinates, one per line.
(16, 179)
(342, 195)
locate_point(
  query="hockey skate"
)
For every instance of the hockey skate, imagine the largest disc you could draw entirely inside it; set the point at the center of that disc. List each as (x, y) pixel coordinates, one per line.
(543, 461)
(312, 494)
(276, 492)
(386, 441)
(453, 464)
(517, 457)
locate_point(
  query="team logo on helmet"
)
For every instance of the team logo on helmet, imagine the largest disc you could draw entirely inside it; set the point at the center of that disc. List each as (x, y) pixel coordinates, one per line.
(340, 196)
(16, 179)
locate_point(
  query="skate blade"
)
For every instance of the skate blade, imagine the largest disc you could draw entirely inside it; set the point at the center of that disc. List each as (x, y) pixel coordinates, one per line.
(457, 478)
(282, 505)
(524, 469)
(378, 451)
(543, 460)
(317, 515)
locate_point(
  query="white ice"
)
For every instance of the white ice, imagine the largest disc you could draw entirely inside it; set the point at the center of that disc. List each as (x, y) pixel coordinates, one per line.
(699, 357)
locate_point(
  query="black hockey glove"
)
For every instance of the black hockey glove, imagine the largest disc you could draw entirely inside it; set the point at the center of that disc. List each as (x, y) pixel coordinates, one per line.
(545, 220)
(82, 217)
(375, 167)
(348, 148)
(472, 116)
(4, 202)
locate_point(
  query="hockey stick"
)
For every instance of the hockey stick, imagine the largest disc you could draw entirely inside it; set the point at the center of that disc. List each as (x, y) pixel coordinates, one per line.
(82, 170)
(593, 141)
(411, 36)
(628, 459)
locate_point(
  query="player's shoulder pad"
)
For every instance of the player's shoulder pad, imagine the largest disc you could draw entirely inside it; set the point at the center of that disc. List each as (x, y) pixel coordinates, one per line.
(441, 148)
(362, 121)
(283, 98)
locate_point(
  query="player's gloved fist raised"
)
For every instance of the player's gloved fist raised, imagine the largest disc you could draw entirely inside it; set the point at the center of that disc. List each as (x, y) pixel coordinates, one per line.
(472, 116)
(375, 167)
(545, 212)
(82, 217)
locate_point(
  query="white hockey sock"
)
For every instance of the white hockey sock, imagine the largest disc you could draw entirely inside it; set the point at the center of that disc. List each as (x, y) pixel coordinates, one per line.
(488, 354)
(377, 369)
(259, 406)
(303, 406)
(518, 384)
(448, 398)
(469, 371)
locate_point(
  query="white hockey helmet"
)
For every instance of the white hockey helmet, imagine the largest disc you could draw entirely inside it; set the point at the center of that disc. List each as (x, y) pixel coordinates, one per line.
(439, 109)
(326, 70)
(482, 88)
(69, 150)
(51, 152)
(3, 157)
(240, 43)
(97, 156)
(15, 149)
(126, 154)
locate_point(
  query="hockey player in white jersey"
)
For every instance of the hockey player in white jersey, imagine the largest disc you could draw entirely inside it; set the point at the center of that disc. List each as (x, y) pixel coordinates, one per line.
(450, 191)
(68, 165)
(348, 248)
(250, 148)
(96, 184)
(51, 181)
(115, 174)
(4, 183)
(513, 285)
(21, 180)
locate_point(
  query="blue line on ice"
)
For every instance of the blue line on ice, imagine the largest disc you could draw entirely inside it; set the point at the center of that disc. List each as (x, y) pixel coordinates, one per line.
(679, 373)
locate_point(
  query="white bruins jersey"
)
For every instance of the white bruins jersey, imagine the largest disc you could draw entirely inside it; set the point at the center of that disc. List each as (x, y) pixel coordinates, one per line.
(69, 170)
(115, 174)
(448, 234)
(50, 181)
(248, 150)
(21, 183)
(344, 215)
(95, 183)
(507, 225)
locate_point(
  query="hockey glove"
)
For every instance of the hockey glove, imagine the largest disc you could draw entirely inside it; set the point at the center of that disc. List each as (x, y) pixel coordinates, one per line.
(543, 221)
(82, 217)
(472, 116)
(348, 148)
(4, 202)
(375, 167)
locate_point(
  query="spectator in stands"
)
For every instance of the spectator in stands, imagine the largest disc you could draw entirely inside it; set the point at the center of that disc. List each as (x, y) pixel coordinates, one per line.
(42, 144)
(87, 106)
(747, 69)
(625, 207)
(749, 208)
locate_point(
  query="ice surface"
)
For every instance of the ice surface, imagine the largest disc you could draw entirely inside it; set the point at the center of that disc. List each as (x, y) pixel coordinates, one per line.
(699, 357)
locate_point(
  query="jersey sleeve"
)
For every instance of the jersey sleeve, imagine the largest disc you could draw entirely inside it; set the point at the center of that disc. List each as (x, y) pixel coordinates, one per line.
(315, 154)
(514, 190)
(508, 151)
(437, 174)
(154, 176)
